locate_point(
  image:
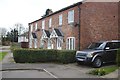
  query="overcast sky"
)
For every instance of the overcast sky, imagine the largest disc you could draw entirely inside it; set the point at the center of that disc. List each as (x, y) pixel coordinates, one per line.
(26, 11)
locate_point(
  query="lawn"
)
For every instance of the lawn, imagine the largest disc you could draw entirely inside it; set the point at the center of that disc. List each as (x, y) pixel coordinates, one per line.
(104, 70)
(2, 55)
(110, 69)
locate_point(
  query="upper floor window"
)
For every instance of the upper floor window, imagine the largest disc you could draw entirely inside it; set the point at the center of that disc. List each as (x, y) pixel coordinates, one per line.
(36, 26)
(43, 24)
(50, 22)
(60, 19)
(71, 16)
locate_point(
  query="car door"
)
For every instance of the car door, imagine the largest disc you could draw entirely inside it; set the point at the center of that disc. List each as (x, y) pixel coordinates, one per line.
(110, 52)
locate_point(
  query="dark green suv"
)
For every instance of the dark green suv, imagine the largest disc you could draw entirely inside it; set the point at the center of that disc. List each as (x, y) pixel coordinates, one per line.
(99, 53)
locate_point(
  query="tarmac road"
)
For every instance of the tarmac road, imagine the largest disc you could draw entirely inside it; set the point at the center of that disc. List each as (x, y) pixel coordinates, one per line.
(45, 70)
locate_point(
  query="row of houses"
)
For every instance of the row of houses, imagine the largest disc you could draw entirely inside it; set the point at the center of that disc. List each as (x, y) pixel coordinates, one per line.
(75, 27)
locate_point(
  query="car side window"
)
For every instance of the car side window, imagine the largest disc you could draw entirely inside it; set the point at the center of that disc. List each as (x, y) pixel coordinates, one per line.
(110, 45)
(118, 45)
(113, 45)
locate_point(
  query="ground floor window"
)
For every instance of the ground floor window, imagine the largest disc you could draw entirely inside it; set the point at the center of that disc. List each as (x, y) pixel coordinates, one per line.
(49, 44)
(59, 44)
(41, 43)
(70, 43)
(30, 43)
(35, 43)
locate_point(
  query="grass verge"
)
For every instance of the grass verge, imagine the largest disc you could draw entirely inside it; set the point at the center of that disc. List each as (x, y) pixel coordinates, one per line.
(103, 71)
(2, 55)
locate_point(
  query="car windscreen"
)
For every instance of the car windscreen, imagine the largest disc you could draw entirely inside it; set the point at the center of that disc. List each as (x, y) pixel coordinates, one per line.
(95, 46)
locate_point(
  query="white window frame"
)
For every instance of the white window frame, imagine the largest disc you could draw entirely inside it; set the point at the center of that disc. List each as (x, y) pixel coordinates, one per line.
(30, 36)
(30, 44)
(36, 26)
(35, 43)
(41, 43)
(30, 41)
(59, 44)
(70, 41)
(50, 22)
(43, 24)
(60, 19)
(49, 46)
(71, 16)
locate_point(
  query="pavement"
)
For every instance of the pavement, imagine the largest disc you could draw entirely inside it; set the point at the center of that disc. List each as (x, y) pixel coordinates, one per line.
(10, 69)
(4, 49)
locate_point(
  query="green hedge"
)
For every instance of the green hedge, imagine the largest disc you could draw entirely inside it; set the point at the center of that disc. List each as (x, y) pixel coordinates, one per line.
(66, 56)
(118, 57)
(41, 55)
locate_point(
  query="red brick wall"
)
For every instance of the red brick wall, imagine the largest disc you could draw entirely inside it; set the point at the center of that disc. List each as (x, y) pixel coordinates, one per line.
(99, 21)
(67, 29)
(119, 20)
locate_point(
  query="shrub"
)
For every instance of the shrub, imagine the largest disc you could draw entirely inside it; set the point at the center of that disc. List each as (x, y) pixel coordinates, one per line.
(42, 55)
(118, 57)
(99, 72)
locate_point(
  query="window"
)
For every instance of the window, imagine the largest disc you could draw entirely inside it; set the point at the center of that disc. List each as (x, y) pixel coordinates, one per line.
(71, 16)
(60, 19)
(59, 44)
(70, 43)
(50, 22)
(113, 45)
(30, 36)
(30, 42)
(41, 43)
(43, 24)
(35, 43)
(49, 44)
(36, 25)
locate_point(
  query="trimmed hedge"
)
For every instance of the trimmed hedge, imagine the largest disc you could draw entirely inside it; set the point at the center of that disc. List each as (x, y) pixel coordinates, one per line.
(118, 57)
(41, 55)
(66, 56)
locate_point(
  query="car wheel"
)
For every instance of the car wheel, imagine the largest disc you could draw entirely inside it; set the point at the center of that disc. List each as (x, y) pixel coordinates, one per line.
(97, 62)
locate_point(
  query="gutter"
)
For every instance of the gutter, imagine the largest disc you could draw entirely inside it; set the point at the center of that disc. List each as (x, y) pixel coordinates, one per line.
(79, 12)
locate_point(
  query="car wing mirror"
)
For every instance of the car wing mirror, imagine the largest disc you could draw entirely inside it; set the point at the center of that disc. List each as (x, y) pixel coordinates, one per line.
(107, 48)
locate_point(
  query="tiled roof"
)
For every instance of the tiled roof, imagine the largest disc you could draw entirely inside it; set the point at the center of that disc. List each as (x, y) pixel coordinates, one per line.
(47, 33)
(58, 32)
(63, 9)
(34, 35)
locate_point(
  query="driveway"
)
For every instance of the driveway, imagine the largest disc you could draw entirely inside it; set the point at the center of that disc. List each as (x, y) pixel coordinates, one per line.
(45, 70)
